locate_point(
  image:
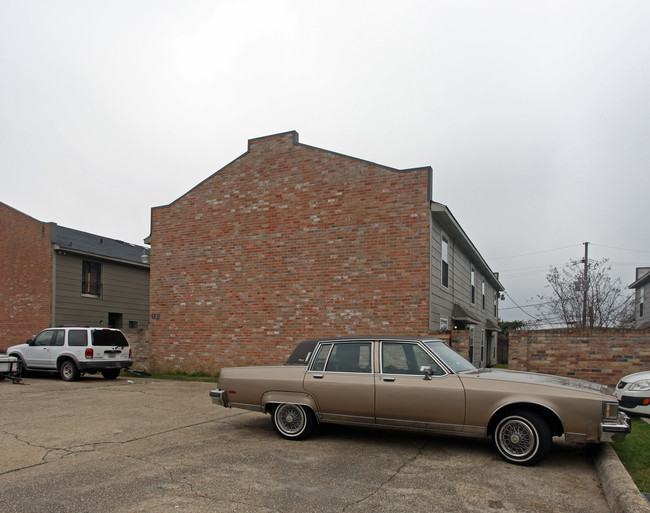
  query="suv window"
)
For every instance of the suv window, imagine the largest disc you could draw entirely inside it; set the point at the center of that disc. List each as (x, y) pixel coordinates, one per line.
(77, 338)
(111, 338)
(49, 338)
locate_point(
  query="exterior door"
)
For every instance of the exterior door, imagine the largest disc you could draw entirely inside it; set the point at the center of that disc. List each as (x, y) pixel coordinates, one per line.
(405, 398)
(342, 383)
(39, 354)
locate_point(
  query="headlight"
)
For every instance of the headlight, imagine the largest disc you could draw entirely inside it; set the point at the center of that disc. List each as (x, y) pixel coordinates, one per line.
(610, 411)
(639, 385)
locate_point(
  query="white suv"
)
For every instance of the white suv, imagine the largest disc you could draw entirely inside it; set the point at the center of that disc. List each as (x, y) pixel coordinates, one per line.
(73, 351)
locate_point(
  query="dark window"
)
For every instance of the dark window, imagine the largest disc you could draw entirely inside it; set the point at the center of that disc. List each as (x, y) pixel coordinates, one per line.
(473, 288)
(77, 338)
(91, 278)
(133, 325)
(109, 338)
(483, 292)
(445, 262)
(349, 357)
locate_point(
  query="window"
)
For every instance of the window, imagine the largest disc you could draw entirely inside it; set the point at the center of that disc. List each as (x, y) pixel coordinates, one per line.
(91, 278)
(405, 358)
(444, 324)
(496, 299)
(319, 362)
(349, 357)
(473, 287)
(77, 338)
(133, 325)
(50, 338)
(641, 300)
(483, 293)
(445, 262)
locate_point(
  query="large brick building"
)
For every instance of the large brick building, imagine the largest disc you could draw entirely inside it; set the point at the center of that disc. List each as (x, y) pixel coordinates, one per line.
(52, 275)
(290, 242)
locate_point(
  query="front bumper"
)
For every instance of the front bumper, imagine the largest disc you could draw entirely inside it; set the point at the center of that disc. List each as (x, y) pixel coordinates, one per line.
(615, 431)
(219, 397)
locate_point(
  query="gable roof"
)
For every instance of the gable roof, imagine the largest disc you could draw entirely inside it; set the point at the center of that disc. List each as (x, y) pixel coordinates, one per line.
(75, 241)
(642, 277)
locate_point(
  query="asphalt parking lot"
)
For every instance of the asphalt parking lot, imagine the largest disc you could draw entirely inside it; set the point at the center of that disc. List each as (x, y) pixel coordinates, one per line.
(136, 445)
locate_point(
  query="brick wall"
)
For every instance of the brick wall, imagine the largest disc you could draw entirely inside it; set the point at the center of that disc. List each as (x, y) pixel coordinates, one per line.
(25, 277)
(603, 356)
(140, 342)
(286, 243)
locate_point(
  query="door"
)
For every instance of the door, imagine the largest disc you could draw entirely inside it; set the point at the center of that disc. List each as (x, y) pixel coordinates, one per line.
(39, 354)
(341, 381)
(407, 398)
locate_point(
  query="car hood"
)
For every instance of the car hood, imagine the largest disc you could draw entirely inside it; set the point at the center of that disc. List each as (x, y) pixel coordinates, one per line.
(638, 376)
(539, 379)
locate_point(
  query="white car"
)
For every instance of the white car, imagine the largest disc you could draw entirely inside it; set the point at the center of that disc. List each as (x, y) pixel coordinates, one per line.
(74, 350)
(633, 393)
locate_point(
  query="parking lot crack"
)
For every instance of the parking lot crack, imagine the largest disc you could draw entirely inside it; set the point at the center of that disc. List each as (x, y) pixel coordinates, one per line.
(397, 472)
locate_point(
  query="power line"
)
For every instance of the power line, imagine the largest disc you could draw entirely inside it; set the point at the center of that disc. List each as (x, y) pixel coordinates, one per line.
(535, 252)
(620, 249)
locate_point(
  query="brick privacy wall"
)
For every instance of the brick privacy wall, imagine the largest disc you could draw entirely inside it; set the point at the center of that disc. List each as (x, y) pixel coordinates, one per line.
(25, 277)
(603, 356)
(140, 342)
(287, 243)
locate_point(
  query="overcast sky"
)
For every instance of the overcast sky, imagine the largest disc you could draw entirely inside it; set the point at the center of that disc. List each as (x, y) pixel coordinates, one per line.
(535, 115)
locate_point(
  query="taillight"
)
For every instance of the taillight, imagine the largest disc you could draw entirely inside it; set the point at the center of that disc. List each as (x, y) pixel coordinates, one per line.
(130, 353)
(89, 353)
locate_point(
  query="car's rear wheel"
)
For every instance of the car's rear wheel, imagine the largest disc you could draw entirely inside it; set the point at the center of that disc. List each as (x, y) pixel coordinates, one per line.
(523, 437)
(68, 371)
(293, 421)
(110, 373)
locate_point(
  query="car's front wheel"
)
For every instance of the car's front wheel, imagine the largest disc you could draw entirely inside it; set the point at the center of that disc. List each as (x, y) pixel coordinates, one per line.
(523, 437)
(68, 371)
(293, 421)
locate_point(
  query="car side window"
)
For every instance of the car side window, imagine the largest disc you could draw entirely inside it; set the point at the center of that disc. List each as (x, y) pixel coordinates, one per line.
(319, 361)
(59, 338)
(44, 338)
(406, 358)
(350, 357)
(77, 338)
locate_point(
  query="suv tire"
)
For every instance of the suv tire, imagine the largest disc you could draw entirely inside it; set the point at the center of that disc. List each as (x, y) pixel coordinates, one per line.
(68, 371)
(110, 373)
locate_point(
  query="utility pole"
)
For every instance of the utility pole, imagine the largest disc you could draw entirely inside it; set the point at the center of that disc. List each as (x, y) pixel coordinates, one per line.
(585, 286)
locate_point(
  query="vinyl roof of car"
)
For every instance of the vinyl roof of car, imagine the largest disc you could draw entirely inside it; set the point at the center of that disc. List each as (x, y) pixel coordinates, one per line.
(353, 338)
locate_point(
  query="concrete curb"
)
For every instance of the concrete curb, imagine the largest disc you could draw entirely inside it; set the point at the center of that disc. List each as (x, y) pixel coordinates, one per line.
(622, 494)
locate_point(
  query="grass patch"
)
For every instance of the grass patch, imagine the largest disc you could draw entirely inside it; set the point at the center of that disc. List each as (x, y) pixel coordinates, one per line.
(634, 453)
(177, 376)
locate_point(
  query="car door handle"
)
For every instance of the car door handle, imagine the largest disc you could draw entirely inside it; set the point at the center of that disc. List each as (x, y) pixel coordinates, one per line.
(388, 379)
(318, 376)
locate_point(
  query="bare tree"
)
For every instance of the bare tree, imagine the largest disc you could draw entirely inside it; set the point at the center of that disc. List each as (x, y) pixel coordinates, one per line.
(608, 303)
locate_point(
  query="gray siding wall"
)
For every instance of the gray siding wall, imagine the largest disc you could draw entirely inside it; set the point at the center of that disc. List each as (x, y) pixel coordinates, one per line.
(459, 290)
(125, 291)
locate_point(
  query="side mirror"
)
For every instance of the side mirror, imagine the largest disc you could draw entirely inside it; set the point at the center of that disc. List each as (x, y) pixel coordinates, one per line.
(426, 370)
(30, 342)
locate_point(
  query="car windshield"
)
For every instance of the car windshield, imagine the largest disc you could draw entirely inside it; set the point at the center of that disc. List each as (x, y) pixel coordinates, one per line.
(111, 338)
(451, 358)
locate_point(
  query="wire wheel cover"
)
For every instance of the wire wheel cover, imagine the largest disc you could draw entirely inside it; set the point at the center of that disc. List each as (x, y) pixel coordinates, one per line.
(290, 418)
(517, 438)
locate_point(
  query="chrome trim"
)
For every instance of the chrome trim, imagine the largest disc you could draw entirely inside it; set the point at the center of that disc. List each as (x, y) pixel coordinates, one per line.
(218, 397)
(615, 432)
